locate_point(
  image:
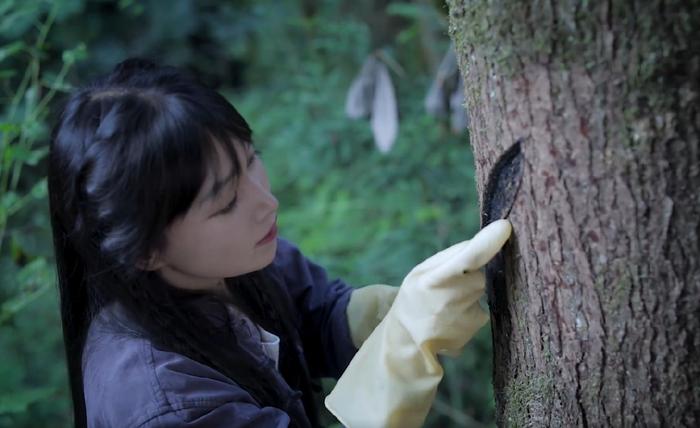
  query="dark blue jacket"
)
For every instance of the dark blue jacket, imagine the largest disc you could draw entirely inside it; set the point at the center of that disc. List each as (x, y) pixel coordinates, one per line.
(130, 383)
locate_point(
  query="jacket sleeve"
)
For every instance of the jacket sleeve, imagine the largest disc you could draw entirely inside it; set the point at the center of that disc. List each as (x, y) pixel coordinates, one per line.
(321, 306)
(231, 415)
(130, 383)
(191, 395)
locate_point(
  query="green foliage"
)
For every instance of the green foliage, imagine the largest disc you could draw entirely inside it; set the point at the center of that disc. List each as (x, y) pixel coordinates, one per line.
(32, 379)
(367, 217)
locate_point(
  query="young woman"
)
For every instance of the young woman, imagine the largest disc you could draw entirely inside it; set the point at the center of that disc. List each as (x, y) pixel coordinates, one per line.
(180, 305)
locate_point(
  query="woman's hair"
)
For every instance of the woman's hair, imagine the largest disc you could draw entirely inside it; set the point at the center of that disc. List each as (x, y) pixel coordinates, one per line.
(128, 156)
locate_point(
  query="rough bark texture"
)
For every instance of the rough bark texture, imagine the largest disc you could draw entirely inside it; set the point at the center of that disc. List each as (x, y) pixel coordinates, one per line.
(599, 324)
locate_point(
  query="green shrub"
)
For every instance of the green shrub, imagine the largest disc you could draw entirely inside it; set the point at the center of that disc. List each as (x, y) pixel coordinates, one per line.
(367, 217)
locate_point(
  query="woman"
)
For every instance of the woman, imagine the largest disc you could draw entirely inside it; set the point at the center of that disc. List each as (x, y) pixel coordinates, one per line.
(180, 305)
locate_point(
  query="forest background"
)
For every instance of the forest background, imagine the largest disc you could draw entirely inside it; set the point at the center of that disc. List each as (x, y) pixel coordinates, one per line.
(366, 215)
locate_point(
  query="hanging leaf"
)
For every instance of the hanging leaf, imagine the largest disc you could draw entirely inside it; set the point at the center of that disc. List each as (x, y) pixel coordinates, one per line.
(385, 117)
(437, 101)
(459, 118)
(358, 103)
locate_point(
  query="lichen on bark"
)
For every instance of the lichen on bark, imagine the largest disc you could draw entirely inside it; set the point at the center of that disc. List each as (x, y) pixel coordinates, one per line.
(563, 34)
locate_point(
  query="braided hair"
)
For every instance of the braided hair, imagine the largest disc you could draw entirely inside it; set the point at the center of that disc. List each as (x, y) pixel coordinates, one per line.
(112, 195)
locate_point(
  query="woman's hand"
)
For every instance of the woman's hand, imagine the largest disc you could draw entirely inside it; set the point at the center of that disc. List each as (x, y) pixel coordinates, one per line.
(391, 381)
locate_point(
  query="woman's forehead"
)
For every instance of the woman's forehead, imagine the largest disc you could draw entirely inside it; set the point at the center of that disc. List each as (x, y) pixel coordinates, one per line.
(221, 171)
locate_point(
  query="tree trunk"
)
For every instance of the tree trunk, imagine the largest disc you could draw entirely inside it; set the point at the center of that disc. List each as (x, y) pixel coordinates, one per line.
(599, 322)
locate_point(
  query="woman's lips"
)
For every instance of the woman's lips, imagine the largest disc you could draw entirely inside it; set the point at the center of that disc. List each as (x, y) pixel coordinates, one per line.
(272, 234)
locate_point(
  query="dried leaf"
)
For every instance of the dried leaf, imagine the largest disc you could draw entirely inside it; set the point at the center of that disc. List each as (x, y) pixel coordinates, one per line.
(448, 66)
(459, 117)
(437, 101)
(385, 118)
(358, 103)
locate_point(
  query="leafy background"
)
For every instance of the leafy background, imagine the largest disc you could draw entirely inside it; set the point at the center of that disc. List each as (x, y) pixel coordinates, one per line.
(368, 217)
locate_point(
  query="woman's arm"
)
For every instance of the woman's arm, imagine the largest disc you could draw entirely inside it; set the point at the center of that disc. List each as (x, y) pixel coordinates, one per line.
(129, 382)
(321, 305)
(229, 415)
(367, 308)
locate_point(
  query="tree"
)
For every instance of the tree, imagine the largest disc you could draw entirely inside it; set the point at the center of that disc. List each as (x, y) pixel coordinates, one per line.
(598, 324)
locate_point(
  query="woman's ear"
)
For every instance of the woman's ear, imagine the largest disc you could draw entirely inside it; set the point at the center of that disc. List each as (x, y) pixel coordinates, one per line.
(153, 263)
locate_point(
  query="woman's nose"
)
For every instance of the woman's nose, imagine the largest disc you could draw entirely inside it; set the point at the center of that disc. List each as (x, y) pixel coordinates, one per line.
(267, 207)
(271, 201)
(266, 202)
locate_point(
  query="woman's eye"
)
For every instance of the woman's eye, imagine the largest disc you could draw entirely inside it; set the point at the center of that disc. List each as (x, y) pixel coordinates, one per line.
(256, 154)
(228, 208)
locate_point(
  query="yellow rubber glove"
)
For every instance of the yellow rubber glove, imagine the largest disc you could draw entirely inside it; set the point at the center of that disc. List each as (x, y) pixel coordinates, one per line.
(367, 307)
(392, 380)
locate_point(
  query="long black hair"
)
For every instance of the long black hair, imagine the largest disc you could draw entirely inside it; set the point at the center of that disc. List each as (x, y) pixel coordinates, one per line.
(128, 156)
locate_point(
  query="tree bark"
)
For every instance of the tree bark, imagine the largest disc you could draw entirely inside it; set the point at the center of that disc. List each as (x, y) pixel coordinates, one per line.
(599, 322)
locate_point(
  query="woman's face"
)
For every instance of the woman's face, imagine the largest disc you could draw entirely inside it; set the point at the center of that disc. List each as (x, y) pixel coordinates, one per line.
(220, 236)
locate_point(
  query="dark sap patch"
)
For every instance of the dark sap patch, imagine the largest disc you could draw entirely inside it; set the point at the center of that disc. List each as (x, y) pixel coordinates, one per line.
(501, 190)
(502, 185)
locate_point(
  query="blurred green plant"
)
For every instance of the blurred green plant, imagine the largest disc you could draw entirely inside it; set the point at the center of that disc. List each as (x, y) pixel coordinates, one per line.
(31, 373)
(286, 65)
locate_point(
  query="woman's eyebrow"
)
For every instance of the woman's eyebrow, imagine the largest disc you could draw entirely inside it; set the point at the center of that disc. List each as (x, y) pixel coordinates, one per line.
(219, 184)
